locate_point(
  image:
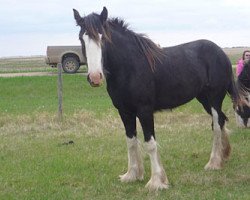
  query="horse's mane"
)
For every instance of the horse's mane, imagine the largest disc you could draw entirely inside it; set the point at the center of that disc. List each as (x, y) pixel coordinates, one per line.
(147, 47)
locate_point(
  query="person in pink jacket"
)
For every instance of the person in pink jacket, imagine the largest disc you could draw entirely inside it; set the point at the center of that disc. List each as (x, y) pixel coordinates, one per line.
(242, 61)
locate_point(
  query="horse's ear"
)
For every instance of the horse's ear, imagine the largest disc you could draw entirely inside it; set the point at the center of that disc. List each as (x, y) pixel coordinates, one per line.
(77, 16)
(104, 15)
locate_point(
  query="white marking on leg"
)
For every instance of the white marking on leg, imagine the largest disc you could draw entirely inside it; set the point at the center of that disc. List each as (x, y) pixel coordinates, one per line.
(215, 161)
(135, 164)
(158, 178)
(226, 148)
(248, 123)
(239, 120)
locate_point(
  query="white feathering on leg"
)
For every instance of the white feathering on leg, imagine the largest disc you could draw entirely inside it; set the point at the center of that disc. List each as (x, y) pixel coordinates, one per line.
(158, 178)
(135, 164)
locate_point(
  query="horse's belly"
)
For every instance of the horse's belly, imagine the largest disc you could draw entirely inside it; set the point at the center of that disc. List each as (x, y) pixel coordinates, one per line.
(168, 102)
(171, 96)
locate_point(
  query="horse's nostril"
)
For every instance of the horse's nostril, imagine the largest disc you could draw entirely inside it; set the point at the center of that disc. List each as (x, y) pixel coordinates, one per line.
(93, 80)
(88, 78)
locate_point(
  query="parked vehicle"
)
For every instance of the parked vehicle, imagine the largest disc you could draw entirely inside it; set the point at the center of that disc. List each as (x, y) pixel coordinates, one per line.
(71, 57)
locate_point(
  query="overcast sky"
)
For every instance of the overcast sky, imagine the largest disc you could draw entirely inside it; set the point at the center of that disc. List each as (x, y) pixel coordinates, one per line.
(28, 26)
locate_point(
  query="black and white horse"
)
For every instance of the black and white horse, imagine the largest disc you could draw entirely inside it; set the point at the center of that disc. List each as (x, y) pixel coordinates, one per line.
(143, 78)
(243, 113)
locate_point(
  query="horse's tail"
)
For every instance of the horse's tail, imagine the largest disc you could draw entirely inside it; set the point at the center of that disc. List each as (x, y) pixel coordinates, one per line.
(234, 90)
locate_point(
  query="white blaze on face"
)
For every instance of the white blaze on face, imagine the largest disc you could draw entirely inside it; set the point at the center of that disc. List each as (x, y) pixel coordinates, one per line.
(94, 59)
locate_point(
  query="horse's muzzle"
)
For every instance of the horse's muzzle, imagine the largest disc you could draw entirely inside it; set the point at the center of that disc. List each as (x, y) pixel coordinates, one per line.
(95, 79)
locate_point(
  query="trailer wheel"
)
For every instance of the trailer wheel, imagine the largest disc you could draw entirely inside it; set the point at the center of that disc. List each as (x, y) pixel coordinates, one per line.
(70, 65)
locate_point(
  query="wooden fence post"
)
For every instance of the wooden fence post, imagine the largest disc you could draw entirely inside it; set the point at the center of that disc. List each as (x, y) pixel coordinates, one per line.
(60, 92)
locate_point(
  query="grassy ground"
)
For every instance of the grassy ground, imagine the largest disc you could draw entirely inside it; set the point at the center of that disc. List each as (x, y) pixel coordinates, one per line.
(27, 64)
(29, 95)
(37, 161)
(24, 64)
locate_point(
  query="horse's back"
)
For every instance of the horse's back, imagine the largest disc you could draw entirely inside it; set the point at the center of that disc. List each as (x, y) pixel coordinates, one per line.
(197, 52)
(190, 69)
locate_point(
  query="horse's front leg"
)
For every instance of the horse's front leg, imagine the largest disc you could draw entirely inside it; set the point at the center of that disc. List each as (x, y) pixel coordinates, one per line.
(135, 164)
(158, 178)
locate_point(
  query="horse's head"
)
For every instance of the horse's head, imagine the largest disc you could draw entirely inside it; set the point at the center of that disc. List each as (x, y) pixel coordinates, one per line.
(246, 68)
(91, 33)
(244, 77)
(247, 65)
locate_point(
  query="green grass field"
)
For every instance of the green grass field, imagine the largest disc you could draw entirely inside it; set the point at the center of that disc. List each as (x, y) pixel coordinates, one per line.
(27, 64)
(24, 64)
(37, 162)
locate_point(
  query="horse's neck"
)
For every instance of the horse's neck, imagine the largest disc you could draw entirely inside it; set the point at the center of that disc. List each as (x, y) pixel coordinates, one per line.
(116, 55)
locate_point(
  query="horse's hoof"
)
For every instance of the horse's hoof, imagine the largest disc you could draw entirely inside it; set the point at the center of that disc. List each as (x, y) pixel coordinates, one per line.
(130, 177)
(213, 166)
(157, 182)
(155, 185)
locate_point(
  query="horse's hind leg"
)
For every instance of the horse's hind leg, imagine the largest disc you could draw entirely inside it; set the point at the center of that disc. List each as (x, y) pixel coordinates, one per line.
(221, 147)
(158, 178)
(226, 148)
(135, 164)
